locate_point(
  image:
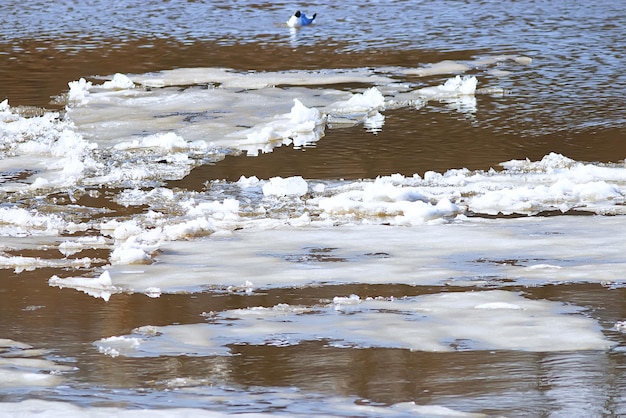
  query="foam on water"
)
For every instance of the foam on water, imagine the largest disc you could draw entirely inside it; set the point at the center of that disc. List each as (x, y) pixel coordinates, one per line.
(439, 323)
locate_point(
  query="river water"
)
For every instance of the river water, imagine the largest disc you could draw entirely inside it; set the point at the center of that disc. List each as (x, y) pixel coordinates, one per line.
(405, 209)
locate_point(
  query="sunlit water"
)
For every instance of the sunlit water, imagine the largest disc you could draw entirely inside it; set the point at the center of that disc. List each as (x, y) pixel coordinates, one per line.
(249, 218)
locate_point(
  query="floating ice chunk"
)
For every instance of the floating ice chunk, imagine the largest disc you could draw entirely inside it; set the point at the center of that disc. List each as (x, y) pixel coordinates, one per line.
(275, 253)
(290, 403)
(79, 91)
(98, 287)
(129, 253)
(119, 82)
(17, 378)
(432, 411)
(291, 186)
(137, 239)
(456, 86)
(9, 343)
(440, 322)
(554, 182)
(246, 182)
(544, 266)
(319, 188)
(68, 248)
(497, 305)
(115, 346)
(152, 292)
(420, 212)
(261, 135)
(20, 366)
(4, 106)
(302, 126)
(232, 79)
(21, 263)
(464, 85)
(15, 221)
(597, 191)
(442, 67)
(121, 230)
(390, 189)
(345, 304)
(247, 287)
(549, 163)
(370, 99)
(191, 339)
(167, 141)
(48, 145)
(523, 60)
(300, 114)
(228, 208)
(135, 197)
(350, 300)
(302, 220)
(388, 197)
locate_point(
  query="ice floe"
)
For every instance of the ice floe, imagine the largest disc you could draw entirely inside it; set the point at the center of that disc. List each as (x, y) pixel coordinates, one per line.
(133, 130)
(226, 107)
(16, 221)
(22, 366)
(370, 99)
(263, 211)
(44, 152)
(119, 82)
(457, 86)
(132, 133)
(288, 400)
(301, 126)
(528, 251)
(438, 323)
(98, 287)
(279, 186)
(455, 197)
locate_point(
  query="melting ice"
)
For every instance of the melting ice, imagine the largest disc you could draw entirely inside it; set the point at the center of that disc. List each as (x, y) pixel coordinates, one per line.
(134, 132)
(22, 366)
(489, 320)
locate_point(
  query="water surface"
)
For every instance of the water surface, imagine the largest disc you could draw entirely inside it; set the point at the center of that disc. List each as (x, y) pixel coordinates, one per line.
(187, 243)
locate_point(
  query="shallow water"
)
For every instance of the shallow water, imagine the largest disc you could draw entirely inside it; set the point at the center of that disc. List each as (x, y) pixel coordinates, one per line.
(139, 269)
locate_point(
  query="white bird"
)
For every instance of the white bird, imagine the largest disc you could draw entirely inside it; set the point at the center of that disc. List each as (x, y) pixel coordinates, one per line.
(300, 19)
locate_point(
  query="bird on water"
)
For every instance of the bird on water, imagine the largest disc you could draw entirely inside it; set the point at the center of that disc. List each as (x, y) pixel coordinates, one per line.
(300, 19)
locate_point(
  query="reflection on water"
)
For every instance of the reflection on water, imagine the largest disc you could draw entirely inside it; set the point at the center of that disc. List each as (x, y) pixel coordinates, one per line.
(567, 384)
